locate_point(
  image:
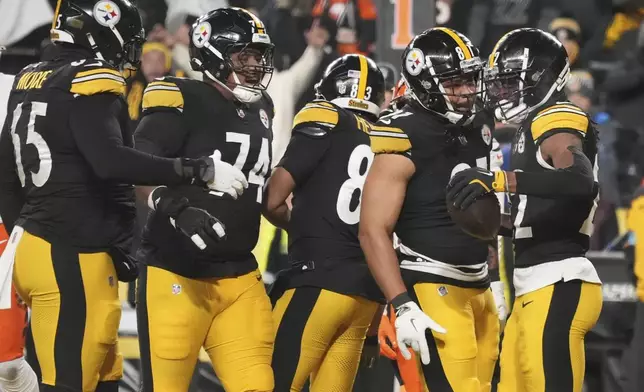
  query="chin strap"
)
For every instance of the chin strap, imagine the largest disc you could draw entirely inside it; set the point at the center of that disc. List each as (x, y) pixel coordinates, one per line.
(242, 93)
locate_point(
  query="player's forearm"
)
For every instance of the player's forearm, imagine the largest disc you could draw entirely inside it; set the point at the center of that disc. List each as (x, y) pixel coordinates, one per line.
(278, 215)
(378, 249)
(574, 181)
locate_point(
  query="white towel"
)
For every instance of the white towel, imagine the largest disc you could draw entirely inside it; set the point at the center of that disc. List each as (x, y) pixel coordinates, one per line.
(6, 267)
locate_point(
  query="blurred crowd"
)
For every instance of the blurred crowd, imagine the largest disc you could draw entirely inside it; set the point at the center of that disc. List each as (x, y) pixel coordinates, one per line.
(604, 38)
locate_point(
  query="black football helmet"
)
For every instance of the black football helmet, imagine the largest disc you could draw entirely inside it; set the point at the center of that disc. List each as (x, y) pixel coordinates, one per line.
(442, 66)
(353, 82)
(221, 33)
(525, 70)
(111, 29)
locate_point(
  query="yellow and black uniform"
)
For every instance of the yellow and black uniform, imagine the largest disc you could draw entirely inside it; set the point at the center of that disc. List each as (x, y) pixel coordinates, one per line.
(215, 298)
(635, 224)
(64, 153)
(325, 304)
(558, 292)
(444, 269)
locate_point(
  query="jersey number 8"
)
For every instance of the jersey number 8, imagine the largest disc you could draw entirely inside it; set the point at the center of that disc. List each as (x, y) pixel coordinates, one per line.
(27, 135)
(357, 170)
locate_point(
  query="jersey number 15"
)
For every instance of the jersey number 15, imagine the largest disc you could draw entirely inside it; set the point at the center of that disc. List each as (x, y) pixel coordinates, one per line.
(24, 136)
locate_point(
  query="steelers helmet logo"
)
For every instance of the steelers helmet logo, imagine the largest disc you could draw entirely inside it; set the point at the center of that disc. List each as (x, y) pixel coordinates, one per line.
(201, 34)
(264, 117)
(414, 62)
(107, 13)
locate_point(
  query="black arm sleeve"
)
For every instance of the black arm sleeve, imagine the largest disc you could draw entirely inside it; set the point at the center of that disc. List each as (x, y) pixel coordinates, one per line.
(303, 154)
(98, 135)
(160, 133)
(574, 181)
(11, 194)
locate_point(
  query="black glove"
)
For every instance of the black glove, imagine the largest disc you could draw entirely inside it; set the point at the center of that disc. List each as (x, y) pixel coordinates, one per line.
(195, 171)
(124, 264)
(469, 184)
(203, 229)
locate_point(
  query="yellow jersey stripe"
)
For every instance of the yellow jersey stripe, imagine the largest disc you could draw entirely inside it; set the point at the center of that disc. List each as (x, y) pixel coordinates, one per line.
(326, 117)
(97, 86)
(461, 44)
(55, 21)
(162, 97)
(162, 83)
(387, 144)
(388, 129)
(564, 120)
(362, 83)
(98, 71)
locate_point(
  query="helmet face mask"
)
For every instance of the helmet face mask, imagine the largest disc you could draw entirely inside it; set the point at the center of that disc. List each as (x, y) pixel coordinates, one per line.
(251, 65)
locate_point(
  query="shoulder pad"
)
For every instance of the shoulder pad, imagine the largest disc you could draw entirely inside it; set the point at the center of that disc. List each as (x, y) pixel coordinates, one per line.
(387, 138)
(320, 116)
(560, 117)
(95, 77)
(163, 94)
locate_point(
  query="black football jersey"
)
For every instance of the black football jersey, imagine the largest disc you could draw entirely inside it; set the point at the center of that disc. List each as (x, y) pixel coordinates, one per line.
(551, 229)
(64, 199)
(209, 124)
(329, 156)
(425, 231)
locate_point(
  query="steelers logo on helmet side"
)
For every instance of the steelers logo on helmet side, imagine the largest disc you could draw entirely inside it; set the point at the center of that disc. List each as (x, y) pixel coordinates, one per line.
(415, 61)
(107, 13)
(201, 34)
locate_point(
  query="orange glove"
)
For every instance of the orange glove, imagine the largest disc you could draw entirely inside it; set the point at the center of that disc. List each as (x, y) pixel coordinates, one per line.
(387, 337)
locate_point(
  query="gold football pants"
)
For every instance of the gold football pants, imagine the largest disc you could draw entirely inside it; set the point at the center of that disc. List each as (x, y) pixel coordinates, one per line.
(463, 359)
(543, 344)
(229, 317)
(319, 335)
(75, 312)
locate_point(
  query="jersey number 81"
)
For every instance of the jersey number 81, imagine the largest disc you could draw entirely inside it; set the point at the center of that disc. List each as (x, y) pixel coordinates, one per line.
(358, 167)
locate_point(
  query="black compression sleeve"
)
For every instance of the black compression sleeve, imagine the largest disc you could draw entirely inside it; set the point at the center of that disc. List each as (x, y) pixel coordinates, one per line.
(574, 181)
(303, 154)
(160, 133)
(98, 135)
(11, 196)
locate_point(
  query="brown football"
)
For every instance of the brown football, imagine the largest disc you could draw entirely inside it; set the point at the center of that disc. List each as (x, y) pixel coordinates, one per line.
(482, 219)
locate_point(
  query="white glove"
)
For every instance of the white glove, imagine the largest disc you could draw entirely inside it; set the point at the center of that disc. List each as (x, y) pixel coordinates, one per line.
(499, 300)
(411, 324)
(227, 178)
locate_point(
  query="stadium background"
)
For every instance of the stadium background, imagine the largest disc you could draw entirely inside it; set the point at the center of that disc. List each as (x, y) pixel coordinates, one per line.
(609, 75)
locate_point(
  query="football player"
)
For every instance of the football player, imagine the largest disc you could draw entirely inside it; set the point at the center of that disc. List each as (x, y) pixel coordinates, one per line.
(444, 270)
(554, 190)
(65, 155)
(213, 297)
(326, 302)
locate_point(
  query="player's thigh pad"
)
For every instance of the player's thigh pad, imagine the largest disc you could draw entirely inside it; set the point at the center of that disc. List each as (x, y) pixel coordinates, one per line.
(552, 323)
(240, 338)
(453, 365)
(173, 318)
(75, 312)
(13, 322)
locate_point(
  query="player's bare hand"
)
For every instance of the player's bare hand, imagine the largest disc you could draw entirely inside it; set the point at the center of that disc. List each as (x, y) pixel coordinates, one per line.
(317, 36)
